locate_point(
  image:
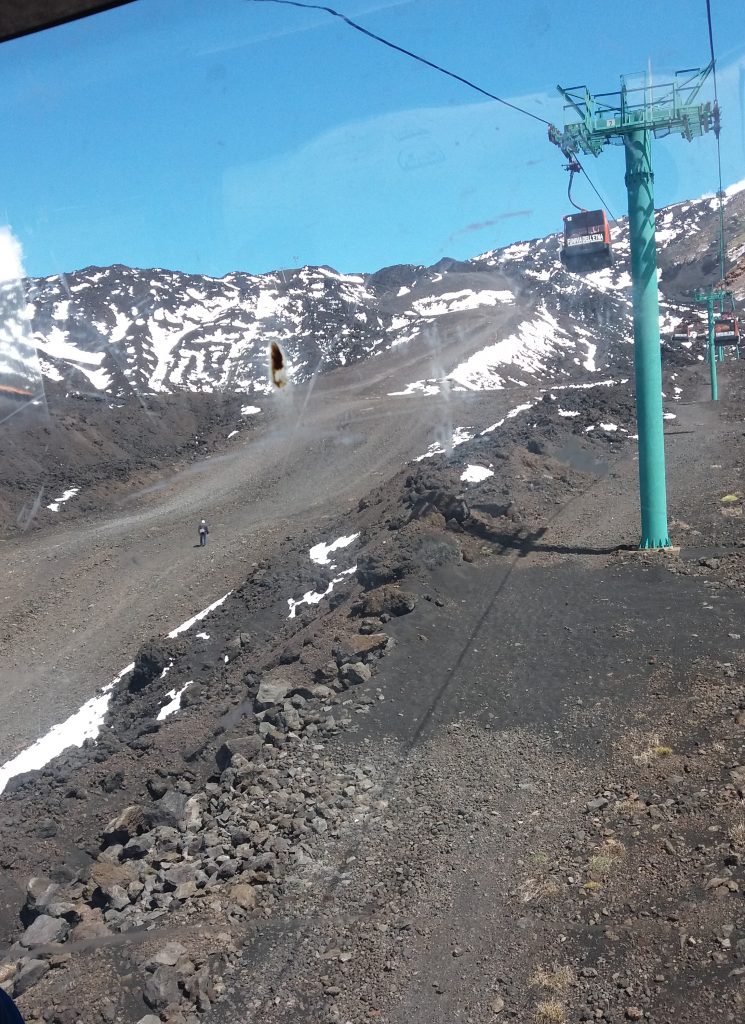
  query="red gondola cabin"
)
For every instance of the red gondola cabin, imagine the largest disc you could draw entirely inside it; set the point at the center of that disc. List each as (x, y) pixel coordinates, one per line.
(687, 330)
(726, 331)
(587, 244)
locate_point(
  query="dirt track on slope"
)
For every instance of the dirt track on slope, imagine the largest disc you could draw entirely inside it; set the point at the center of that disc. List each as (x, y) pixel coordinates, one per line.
(79, 600)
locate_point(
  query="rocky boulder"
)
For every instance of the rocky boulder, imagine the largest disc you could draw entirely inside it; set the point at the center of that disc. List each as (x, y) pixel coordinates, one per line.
(150, 661)
(238, 746)
(31, 972)
(161, 988)
(40, 892)
(387, 600)
(274, 687)
(44, 930)
(128, 824)
(355, 673)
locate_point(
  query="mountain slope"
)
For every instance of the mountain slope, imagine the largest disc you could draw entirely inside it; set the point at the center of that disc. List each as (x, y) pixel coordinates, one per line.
(122, 330)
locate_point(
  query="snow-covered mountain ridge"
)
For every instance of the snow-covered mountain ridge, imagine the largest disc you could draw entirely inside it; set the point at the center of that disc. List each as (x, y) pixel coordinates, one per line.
(123, 330)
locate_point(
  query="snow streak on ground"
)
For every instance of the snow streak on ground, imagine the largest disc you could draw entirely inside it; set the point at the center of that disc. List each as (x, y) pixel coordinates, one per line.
(456, 302)
(510, 415)
(532, 349)
(319, 553)
(733, 190)
(475, 474)
(55, 344)
(314, 596)
(174, 703)
(54, 506)
(419, 387)
(604, 281)
(459, 436)
(584, 387)
(84, 724)
(199, 616)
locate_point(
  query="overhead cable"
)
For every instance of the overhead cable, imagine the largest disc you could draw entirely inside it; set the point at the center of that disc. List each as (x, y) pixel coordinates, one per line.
(430, 64)
(592, 186)
(407, 53)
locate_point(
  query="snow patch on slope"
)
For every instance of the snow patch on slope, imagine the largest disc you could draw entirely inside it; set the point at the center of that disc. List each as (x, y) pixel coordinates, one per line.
(84, 724)
(532, 348)
(457, 302)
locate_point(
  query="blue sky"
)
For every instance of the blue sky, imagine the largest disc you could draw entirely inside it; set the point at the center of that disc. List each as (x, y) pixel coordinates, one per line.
(231, 135)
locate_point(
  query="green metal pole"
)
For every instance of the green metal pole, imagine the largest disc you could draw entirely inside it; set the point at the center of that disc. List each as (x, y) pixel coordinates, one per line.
(647, 358)
(712, 350)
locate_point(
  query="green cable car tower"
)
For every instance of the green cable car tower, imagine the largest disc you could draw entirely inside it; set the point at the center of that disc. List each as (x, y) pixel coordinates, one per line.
(631, 118)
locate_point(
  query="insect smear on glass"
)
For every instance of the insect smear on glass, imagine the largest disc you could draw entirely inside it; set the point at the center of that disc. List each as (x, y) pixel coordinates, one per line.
(277, 366)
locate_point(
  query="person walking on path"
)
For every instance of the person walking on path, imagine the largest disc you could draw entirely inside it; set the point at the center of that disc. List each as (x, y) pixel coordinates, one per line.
(203, 531)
